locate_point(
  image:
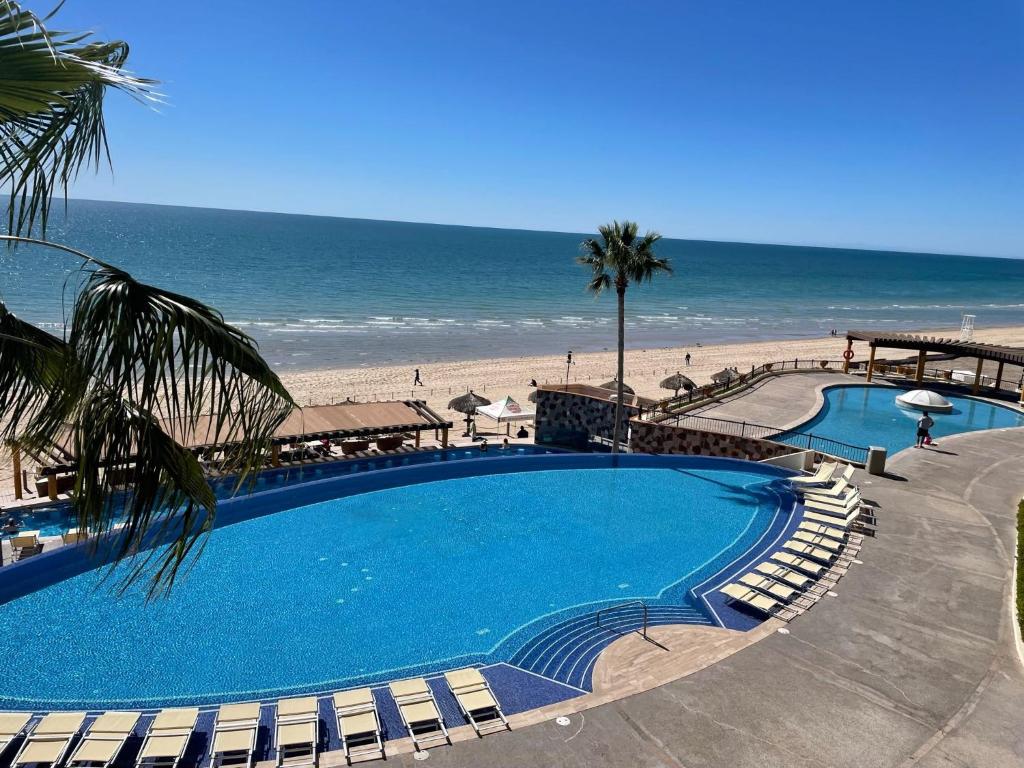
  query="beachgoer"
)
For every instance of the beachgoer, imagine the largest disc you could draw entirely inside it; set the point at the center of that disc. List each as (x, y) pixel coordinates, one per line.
(11, 526)
(522, 432)
(416, 378)
(483, 445)
(687, 358)
(504, 444)
(472, 431)
(923, 425)
(533, 382)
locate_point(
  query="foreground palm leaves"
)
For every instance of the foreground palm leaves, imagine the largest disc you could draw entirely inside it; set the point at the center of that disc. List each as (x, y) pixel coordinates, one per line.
(52, 86)
(143, 374)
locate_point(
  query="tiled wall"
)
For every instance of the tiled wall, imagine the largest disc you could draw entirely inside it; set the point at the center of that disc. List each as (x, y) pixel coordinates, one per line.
(567, 418)
(646, 437)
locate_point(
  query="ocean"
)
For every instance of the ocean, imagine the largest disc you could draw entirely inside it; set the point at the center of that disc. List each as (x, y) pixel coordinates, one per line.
(323, 292)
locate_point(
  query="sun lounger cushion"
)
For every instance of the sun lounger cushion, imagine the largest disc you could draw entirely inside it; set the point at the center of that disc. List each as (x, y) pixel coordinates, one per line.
(809, 550)
(97, 750)
(164, 745)
(238, 713)
(12, 723)
(763, 583)
(233, 740)
(782, 573)
(363, 722)
(296, 733)
(305, 705)
(114, 723)
(41, 751)
(750, 597)
(59, 724)
(800, 563)
(175, 719)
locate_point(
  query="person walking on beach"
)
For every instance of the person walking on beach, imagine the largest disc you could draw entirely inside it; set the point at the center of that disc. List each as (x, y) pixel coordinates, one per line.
(416, 378)
(923, 425)
(687, 358)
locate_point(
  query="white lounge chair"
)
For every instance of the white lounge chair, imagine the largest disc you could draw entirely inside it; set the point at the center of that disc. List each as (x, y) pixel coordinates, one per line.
(297, 728)
(842, 508)
(825, 471)
(817, 540)
(49, 741)
(785, 575)
(419, 711)
(234, 734)
(805, 549)
(839, 487)
(476, 700)
(12, 724)
(820, 529)
(756, 600)
(167, 738)
(770, 587)
(26, 544)
(800, 563)
(104, 740)
(359, 723)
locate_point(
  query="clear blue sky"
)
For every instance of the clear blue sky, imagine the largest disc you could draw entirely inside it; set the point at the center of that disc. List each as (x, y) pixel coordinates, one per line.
(871, 123)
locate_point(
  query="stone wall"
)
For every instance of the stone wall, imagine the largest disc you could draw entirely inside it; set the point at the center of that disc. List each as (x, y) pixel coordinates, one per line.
(647, 437)
(570, 418)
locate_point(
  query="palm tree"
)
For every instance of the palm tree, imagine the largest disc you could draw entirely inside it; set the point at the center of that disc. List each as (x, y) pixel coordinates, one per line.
(621, 256)
(138, 366)
(51, 109)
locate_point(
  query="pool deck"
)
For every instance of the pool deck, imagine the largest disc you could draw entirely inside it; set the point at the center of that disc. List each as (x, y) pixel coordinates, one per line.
(914, 663)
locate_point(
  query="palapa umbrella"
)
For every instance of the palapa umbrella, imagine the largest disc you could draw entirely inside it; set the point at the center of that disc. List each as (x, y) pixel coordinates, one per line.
(725, 375)
(614, 386)
(676, 382)
(467, 404)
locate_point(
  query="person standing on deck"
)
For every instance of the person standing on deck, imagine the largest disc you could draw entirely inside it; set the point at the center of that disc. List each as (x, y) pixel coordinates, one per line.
(923, 425)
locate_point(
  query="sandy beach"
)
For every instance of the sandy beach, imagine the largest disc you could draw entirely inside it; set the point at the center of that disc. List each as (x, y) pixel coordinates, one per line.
(496, 377)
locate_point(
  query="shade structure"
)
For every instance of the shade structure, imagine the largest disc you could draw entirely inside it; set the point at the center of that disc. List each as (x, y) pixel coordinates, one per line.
(725, 375)
(505, 409)
(924, 400)
(677, 381)
(467, 403)
(614, 386)
(533, 396)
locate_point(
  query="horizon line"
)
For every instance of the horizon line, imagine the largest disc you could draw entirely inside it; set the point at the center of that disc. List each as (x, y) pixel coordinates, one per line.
(877, 249)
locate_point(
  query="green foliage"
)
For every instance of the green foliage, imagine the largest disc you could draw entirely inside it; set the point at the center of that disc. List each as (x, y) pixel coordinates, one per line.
(52, 86)
(1020, 565)
(142, 372)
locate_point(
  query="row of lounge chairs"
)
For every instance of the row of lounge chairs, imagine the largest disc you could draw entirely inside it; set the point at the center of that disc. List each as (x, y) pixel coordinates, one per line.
(821, 549)
(296, 728)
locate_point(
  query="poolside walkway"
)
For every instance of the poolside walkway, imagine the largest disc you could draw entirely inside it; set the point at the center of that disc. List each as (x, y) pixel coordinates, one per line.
(913, 664)
(781, 401)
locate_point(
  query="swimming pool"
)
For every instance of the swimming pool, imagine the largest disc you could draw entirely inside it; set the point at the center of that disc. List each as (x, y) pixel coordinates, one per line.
(366, 578)
(55, 519)
(863, 414)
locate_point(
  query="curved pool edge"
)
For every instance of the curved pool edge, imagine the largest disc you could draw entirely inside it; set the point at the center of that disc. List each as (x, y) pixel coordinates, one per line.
(42, 570)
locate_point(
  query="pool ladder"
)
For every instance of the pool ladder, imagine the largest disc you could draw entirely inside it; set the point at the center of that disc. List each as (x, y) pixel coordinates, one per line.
(610, 608)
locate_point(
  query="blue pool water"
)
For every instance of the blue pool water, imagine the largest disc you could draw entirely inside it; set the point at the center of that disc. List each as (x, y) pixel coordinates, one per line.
(377, 584)
(55, 519)
(868, 415)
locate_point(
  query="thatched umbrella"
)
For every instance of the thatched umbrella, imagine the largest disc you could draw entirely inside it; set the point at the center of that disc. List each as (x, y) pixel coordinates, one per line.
(725, 375)
(533, 396)
(614, 386)
(676, 382)
(467, 404)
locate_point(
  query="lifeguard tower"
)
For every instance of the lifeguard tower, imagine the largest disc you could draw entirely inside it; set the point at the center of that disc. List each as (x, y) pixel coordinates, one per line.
(967, 328)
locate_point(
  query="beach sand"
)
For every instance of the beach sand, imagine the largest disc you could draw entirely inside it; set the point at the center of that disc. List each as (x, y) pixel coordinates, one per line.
(496, 377)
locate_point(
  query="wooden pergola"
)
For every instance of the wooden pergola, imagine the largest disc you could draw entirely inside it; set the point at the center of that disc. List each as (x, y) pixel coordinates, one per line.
(317, 422)
(947, 346)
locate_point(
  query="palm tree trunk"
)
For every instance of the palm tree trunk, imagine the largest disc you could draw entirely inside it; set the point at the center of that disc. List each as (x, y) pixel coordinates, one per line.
(620, 290)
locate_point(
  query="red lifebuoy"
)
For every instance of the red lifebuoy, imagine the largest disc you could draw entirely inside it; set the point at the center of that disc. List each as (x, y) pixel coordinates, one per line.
(848, 355)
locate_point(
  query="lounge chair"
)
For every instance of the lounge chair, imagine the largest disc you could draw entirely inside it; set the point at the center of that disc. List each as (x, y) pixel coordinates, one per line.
(419, 711)
(838, 487)
(26, 544)
(820, 529)
(358, 722)
(825, 471)
(298, 731)
(785, 575)
(801, 564)
(104, 740)
(476, 700)
(834, 521)
(756, 600)
(49, 741)
(772, 588)
(234, 734)
(12, 724)
(842, 508)
(806, 549)
(167, 738)
(818, 540)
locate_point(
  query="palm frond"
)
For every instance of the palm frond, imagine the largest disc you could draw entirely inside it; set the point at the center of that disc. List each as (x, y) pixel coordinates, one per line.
(52, 86)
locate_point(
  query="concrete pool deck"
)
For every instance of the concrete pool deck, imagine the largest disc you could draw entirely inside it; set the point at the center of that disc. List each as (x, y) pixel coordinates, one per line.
(913, 664)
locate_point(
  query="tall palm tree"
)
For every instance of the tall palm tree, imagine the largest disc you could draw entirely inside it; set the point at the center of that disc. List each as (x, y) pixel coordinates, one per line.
(621, 256)
(138, 367)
